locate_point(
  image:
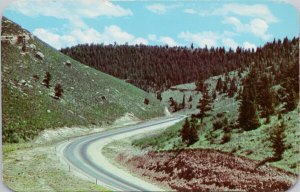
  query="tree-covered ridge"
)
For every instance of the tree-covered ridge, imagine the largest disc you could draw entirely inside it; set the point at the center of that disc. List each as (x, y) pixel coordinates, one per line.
(156, 68)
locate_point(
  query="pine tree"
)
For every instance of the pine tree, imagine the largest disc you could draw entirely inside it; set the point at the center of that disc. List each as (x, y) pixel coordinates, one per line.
(265, 97)
(189, 132)
(58, 91)
(200, 83)
(158, 96)
(190, 99)
(219, 85)
(204, 105)
(291, 86)
(173, 104)
(214, 95)
(277, 138)
(232, 88)
(183, 102)
(224, 88)
(46, 81)
(146, 101)
(291, 100)
(192, 46)
(248, 119)
(185, 130)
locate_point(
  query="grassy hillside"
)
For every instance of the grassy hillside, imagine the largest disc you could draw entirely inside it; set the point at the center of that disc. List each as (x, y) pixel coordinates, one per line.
(255, 144)
(89, 97)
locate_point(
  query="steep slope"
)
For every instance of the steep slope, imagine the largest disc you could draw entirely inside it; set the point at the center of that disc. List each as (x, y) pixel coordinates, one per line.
(89, 97)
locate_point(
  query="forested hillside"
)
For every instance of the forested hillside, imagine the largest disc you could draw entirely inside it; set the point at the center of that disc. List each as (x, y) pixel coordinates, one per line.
(251, 112)
(156, 68)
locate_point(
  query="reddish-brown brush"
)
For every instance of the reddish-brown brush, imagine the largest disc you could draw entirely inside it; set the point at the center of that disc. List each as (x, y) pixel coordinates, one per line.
(207, 170)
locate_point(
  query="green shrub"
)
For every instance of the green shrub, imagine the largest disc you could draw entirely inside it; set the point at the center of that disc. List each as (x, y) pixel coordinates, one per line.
(219, 124)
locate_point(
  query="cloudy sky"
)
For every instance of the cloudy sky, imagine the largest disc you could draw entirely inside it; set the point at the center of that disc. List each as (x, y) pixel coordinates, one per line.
(249, 24)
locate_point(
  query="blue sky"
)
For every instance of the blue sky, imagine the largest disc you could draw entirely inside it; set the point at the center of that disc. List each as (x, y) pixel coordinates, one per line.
(249, 24)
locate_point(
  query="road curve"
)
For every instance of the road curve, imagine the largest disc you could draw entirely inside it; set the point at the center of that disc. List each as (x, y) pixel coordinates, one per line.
(79, 154)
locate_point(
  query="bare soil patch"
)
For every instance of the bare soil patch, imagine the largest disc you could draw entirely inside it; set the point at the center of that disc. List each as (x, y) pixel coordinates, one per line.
(206, 170)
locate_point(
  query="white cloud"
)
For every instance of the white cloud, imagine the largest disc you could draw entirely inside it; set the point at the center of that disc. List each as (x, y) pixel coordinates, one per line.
(169, 41)
(74, 11)
(157, 8)
(164, 40)
(110, 35)
(202, 39)
(139, 40)
(257, 26)
(55, 40)
(213, 39)
(67, 9)
(257, 11)
(96, 8)
(190, 11)
(235, 22)
(248, 45)
(152, 37)
(160, 8)
(85, 35)
(230, 43)
(114, 33)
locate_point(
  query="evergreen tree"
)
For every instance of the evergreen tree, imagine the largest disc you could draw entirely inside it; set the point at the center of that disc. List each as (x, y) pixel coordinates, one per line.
(265, 97)
(290, 83)
(214, 95)
(146, 101)
(148, 67)
(158, 96)
(58, 91)
(248, 119)
(46, 81)
(200, 83)
(189, 132)
(219, 84)
(192, 46)
(204, 105)
(225, 88)
(291, 100)
(277, 138)
(173, 104)
(190, 99)
(183, 102)
(232, 88)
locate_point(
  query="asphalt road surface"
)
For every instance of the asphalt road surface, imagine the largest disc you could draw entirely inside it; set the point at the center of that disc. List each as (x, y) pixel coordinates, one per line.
(76, 153)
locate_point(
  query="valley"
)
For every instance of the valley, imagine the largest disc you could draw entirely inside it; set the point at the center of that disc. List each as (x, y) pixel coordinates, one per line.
(234, 116)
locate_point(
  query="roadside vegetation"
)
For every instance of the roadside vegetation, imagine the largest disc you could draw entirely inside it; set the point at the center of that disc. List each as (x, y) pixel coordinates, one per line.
(32, 167)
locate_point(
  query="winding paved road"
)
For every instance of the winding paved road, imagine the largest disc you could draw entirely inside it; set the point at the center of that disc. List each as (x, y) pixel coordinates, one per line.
(84, 153)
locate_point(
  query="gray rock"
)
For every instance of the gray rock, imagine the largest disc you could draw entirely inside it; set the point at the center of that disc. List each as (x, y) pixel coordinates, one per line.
(32, 46)
(22, 82)
(40, 55)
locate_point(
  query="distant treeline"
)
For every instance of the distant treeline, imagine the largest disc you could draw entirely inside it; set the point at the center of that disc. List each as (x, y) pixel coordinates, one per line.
(156, 68)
